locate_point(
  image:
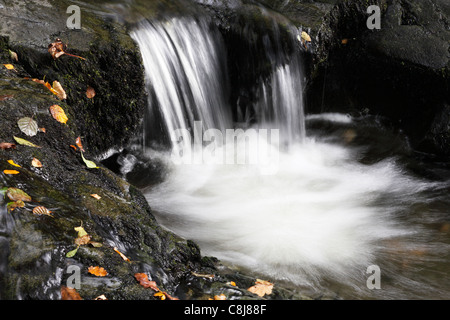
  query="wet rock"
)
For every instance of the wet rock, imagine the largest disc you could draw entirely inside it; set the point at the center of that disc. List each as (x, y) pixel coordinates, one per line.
(400, 72)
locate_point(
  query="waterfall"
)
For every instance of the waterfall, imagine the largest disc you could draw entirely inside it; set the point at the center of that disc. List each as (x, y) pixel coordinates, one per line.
(185, 70)
(320, 220)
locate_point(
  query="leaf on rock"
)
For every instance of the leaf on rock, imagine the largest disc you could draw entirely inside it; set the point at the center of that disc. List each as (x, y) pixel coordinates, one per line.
(7, 145)
(11, 172)
(68, 293)
(36, 163)
(15, 204)
(24, 142)
(9, 66)
(28, 126)
(71, 253)
(219, 297)
(161, 295)
(101, 297)
(124, 257)
(13, 55)
(97, 271)
(261, 287)
(56, 49)
(60, 93)
(96, 196)
(5, 97)
(58, 113)
(81, 231)
(11, 162)
(41, 210)
(90, 92)
(79, 144)
(90, 164)
(83, 240)
(143, 281)
(15, 194)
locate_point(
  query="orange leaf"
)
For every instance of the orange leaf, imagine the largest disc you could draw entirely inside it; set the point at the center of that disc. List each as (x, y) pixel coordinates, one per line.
(58, 113)
(11, 172)
(11, 162)
(78, 143)
(121, 254)
(9, 66)
(68, 293)
(90, 92)
(74, 148)
(97, 271)
(96, 196)
(143, 281)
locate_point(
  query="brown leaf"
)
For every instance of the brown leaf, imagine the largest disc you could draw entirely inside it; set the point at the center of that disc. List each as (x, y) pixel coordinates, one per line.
(79, 144)
(15, 194)
(90, 92)
(143, 281)
(7, 145)
(40, 210)
(261, 287)
(83, 240)
(58, 113)
(68, 293)
(56, 49)
(4, 97)
(97, 271)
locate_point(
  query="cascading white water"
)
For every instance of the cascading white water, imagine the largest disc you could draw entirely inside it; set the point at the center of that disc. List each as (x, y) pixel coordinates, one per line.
(184, 69)
(322, 217)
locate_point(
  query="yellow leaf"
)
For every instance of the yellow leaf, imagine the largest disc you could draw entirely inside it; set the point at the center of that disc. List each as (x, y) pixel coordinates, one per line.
(11, 172)
(60, 93)
(11, 162)
(161, 295)
(96, 196)
(58, 113)
(261, 287)
(306, 36)
(81, 231)
(9, 66)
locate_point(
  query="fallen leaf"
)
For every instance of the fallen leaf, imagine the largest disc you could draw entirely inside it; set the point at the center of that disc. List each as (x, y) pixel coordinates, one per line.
(81, 231)
(96, 196)
(83, 240)
(57, 49)
(13, 55)
(161, 295)
(344, 41)
(232, 283)
(7, 145)
(95, 244)
(25, 142)
(58, 113)
(68, 293)
(90, 92)
(71, 253)
(79, 144)
(143, 281)
(60, 93)
(36, 163)
(11, 162)
(28, 126)
(41, 210)
(203, 275)
(15, 204)
(261, 287)
(305, 37)
(121, 254)
(101, 297)
(11, 172)
(97, 271)
(4, 97)
(15, 194)
(9, 66)
(42, 130)
(72, 146)
(90, 164)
